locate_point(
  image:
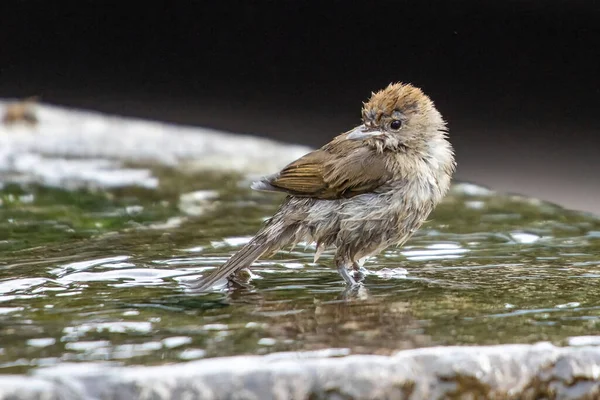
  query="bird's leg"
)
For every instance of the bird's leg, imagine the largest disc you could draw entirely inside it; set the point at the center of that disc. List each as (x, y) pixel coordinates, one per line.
(358, 271)
(342, 265)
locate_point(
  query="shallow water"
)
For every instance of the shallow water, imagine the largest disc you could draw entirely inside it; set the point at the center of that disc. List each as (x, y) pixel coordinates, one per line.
(100, 275)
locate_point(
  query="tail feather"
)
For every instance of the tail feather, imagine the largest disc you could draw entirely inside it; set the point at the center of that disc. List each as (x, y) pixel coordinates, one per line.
(243, 258)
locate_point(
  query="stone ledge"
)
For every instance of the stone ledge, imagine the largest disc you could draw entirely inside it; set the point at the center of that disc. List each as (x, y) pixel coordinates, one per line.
(495, 372)
(62, 134)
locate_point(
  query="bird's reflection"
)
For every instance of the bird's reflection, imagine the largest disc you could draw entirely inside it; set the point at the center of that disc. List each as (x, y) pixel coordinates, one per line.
(356, 292)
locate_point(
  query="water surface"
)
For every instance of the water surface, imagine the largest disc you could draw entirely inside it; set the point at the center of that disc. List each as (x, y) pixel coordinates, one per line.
(100, 275)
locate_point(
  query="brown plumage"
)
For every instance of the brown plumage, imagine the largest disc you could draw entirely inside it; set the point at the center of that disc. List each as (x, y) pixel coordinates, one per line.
(367, 189)
(340, 169)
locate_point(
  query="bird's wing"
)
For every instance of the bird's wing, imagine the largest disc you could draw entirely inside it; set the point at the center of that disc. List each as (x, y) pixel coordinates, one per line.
(340, 169)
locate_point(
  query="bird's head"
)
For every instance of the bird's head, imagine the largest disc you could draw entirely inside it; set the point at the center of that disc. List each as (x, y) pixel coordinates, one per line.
(399, 117)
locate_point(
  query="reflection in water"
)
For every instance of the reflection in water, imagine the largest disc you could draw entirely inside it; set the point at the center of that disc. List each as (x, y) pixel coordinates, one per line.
(352, 321)
(103, 276)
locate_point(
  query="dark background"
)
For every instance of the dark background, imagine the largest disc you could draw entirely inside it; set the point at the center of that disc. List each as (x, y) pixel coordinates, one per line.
(517, 80)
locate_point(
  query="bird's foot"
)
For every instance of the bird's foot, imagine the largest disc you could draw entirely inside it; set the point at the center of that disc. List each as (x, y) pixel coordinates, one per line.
(348, 278)
(358, 272)
(239, 279)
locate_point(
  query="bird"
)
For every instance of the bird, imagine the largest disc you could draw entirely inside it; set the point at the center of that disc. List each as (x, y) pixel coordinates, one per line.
(367, 189)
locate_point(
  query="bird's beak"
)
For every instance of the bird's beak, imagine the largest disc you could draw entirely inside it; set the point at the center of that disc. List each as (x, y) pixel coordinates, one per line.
(363, 132)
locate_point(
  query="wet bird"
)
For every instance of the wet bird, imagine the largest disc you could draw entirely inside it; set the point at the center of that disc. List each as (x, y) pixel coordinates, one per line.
(367, 189)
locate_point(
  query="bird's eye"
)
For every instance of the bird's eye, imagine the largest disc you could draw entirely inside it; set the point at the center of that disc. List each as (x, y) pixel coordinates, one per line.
(395, 125)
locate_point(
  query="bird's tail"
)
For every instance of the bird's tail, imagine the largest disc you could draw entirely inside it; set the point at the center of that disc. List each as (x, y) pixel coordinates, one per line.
(242, 259)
